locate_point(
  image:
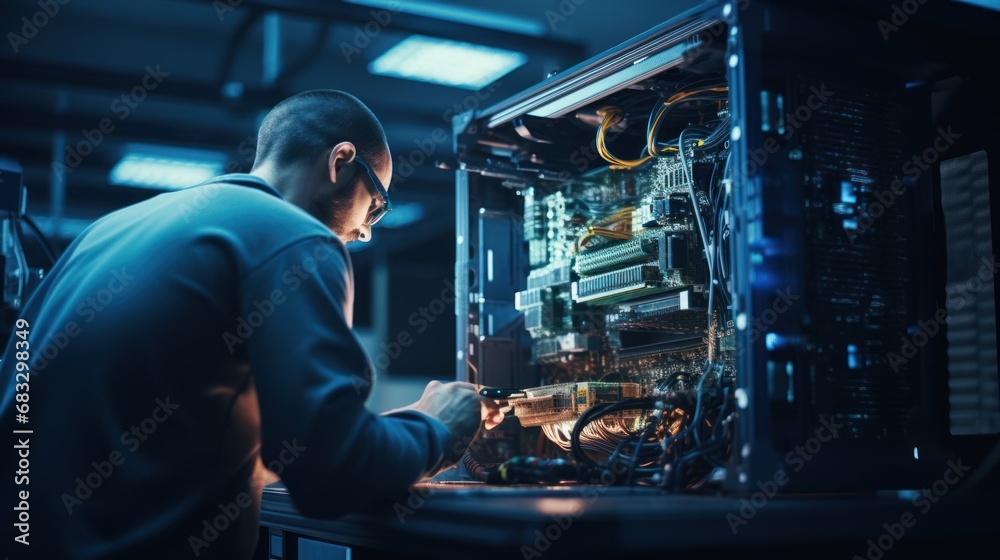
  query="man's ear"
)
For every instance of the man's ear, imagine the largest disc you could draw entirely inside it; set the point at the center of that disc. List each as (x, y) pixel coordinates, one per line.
(340, 155)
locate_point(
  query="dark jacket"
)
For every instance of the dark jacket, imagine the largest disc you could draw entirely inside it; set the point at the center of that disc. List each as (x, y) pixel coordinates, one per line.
(177, 344)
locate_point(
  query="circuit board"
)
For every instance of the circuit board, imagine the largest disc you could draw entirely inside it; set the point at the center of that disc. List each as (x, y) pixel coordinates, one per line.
(617, 288)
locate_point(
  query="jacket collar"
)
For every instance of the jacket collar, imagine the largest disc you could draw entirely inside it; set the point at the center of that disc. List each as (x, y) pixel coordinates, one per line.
(245, 180)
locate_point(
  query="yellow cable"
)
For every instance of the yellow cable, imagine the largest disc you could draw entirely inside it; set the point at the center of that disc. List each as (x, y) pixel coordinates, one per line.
(603, 232)
(613, 116)
(623, 215)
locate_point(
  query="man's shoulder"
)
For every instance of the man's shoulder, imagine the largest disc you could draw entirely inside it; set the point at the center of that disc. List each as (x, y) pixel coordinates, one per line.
(245, 210)
(223, 197)
(254, 223)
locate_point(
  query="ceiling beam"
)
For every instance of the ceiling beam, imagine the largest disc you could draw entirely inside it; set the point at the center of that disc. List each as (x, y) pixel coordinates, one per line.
(35, 118)
(361, 16)
(228, 138)
(76, 76)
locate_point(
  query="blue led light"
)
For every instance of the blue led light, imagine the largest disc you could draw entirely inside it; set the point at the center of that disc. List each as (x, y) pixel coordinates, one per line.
(847, 192)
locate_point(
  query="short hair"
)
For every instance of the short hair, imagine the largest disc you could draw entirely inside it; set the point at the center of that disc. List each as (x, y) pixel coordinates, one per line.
(307, 124)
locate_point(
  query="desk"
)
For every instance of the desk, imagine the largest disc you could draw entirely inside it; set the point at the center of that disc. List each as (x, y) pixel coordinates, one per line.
(473, 521)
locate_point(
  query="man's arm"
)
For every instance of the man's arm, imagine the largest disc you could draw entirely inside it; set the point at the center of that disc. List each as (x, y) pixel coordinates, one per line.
(312, 379)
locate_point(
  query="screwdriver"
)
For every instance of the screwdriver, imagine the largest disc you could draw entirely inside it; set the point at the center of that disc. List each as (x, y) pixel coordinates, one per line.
(502, 393)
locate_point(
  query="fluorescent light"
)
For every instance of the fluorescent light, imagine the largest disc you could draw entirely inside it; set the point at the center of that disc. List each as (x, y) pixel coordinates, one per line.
(636, 72)
(988, 4)
(145, 171)
(449, 63)
(403, 215)
(463, 14)
(163, 167)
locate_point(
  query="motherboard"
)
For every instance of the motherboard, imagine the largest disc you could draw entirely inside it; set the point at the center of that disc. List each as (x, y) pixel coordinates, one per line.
(627, 297)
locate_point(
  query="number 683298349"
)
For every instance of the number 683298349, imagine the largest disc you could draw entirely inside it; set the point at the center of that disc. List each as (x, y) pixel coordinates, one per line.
(21, 365)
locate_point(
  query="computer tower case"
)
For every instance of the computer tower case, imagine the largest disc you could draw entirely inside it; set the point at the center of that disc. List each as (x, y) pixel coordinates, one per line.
(792, 200)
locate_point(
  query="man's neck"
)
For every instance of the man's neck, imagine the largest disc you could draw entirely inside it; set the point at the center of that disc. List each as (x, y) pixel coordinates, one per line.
(291, 183)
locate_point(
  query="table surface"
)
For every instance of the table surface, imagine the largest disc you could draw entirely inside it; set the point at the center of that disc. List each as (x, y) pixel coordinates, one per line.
(444, 519)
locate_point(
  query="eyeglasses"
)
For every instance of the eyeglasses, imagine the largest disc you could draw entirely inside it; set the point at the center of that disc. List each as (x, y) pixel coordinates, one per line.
(378, 213)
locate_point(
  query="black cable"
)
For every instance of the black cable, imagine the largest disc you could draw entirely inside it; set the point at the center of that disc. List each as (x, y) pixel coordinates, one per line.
(618, 450)
(595, 412)
(472, 466)
(721, 243)
(718, 136)
(233, 48)
(705, 450)
(46, 246)
(722, 410)
(635, 456)
(652, 114)
(682, 464)
(668, 382)
(18, 251)
(696, 419)
(655, 131)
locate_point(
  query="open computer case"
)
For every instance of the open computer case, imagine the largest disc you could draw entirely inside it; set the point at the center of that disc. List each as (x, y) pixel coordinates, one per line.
(754, 240)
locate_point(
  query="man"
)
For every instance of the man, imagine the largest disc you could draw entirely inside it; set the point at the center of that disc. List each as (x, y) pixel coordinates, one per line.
(181, 343)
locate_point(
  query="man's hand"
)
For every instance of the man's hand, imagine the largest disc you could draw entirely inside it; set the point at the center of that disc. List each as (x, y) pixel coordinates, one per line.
(459, 406)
